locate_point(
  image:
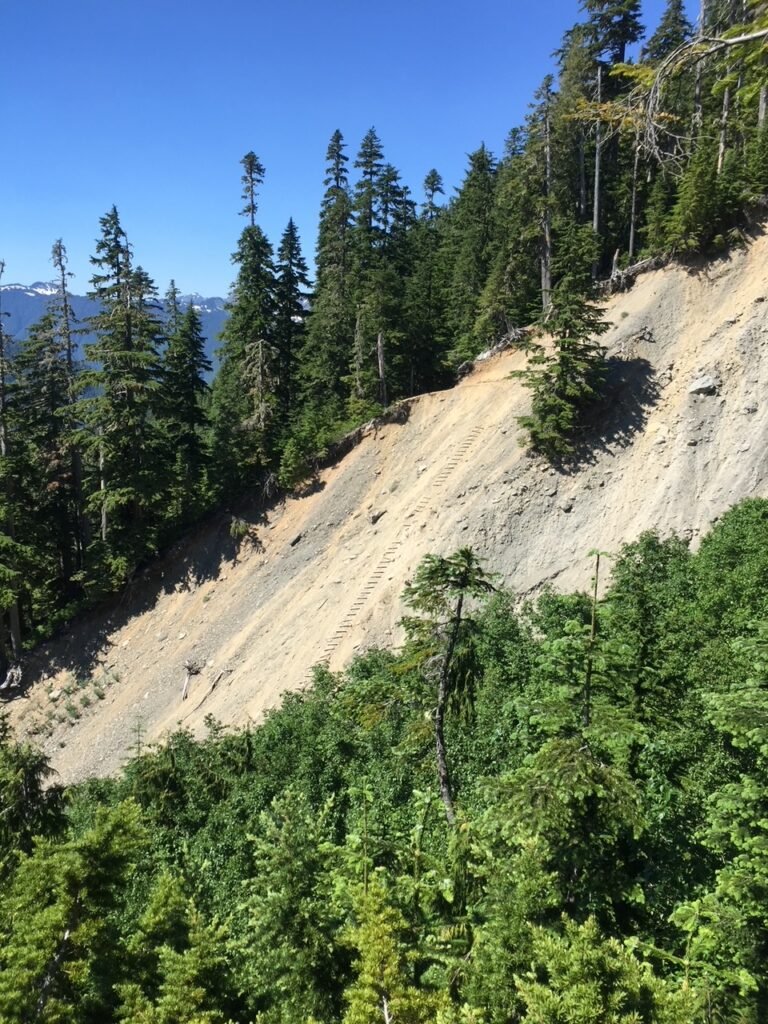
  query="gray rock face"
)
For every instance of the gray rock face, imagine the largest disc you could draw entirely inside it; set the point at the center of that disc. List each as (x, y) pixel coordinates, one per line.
(705, 385)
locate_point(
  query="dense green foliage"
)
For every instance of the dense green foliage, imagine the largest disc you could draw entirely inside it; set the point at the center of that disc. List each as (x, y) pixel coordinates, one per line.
(120, 450)
(606, 860)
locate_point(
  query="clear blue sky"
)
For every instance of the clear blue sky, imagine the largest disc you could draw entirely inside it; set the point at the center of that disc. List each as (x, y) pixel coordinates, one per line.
(150, 104)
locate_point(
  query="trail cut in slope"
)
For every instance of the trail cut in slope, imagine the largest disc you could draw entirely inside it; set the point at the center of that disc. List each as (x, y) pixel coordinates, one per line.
(685, 437)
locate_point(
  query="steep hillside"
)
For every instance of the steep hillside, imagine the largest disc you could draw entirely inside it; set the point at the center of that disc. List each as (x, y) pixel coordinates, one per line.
(685, 439)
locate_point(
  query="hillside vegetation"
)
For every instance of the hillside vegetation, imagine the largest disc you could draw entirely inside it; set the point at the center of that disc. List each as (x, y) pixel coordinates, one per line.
(520, 772)
(603, 858)
(106, 462)
(257, 615)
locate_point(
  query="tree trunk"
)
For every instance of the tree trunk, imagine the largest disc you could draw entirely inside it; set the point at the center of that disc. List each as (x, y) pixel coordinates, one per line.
(586, 707)
(443, 689)
(103, 488)
(546, 251)
(582, 179)
(762, 106)
(382, 369)
(359, 357)
(598, 158)
(633, 210)
(724, 129)
(697, 88)
(14, 617)
(81, 537)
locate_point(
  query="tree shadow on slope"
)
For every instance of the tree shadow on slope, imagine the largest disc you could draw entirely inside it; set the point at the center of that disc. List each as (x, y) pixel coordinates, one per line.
(81, 646)
(219, 542)
(630, 392)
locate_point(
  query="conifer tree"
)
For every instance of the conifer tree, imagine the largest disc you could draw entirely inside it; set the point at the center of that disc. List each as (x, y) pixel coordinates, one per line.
(512, 295)
(367, 240)
(59, 958)
(673, 30)
(440, 589)
(11, 552)
(291, 292)
(613, 25)
(244, 392)
(325, 359)
(119, 433)
(367, 226)
(468, 250)
(568, 379)
(183, 417)
(424, 295)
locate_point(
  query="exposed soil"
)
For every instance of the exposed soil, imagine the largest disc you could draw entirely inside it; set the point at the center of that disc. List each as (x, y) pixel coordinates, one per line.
(324, 576)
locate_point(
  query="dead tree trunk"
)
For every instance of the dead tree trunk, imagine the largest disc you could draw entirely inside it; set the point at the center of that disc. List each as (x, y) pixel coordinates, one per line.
(546, 215)
(382, 369)
(359, 356)
(598, 157)
(633, 205)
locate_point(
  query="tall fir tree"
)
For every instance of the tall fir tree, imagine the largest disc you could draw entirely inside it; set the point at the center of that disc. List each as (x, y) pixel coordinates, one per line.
(324, 361)
(568, 378)
(183, 417)
(244, 394)
(468, 251)
(118, 432)
(673, 30)
(291, 293)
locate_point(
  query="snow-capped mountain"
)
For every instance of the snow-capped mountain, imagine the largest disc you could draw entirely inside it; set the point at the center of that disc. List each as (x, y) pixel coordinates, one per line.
(22, 305)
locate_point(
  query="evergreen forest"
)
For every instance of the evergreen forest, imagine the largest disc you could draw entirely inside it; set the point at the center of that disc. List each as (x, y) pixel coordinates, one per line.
(546, 813)
(108, 455)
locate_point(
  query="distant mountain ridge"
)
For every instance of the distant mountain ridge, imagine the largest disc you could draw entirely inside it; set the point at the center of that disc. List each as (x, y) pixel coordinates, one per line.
(23, 305)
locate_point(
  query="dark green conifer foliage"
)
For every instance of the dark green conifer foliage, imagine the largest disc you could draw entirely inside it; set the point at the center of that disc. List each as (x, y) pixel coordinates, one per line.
(371, 281)
(325, 359)
(183, 417)
(252, 179)
(11, 551)
(48, 467)
(444, 641)
(468, 251)
(244, 393)
(291, 293)
(44, 477)
(59, 959)
(673, 30)
(512, 296)
(581, 973)
(613, 25)
(694, 218)
(368, 226)
(32, 805)
(567, 380)
(424, 294)
(118, 435)
(757, 165)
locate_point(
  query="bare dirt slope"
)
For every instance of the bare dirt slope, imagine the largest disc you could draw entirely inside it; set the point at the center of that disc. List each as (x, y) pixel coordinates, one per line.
(327, 581)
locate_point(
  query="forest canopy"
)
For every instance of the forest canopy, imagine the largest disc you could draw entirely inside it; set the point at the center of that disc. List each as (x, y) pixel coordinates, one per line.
(604, 858)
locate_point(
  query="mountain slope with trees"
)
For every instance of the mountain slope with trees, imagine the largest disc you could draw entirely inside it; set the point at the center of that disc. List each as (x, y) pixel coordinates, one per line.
(598, 854)
(644, 144)
(320, 576)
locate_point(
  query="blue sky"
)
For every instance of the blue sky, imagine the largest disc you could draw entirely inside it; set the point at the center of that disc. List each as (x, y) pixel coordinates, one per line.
(150, 104)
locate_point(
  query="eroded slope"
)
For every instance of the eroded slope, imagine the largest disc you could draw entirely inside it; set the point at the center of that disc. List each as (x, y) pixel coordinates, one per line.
(326, 578)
